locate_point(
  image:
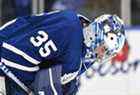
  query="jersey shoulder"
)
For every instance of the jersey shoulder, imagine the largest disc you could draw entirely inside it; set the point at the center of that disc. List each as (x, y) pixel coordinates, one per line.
(55, 17)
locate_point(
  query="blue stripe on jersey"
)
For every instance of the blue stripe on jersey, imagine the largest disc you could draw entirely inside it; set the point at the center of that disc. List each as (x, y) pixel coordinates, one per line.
(25, 77)
(20, 53)
(19, 66)
(15, 58)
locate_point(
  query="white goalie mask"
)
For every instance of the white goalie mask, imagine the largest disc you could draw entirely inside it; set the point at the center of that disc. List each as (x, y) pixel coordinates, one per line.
(104, 37)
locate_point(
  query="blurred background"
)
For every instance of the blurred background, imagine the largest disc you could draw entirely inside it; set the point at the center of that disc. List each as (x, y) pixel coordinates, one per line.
(127, 9)
(120, 76)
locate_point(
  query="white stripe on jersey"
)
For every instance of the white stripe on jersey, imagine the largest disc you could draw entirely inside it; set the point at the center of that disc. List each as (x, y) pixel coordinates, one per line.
(7, 24)
(21, 53)
(51, 82)
(18, 66)
(48, 13)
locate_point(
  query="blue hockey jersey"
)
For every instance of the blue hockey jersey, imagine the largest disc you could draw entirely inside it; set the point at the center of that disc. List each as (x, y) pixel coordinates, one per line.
(28, 41)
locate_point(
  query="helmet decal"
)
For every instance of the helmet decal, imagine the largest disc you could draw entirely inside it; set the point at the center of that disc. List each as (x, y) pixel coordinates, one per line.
(104, 37)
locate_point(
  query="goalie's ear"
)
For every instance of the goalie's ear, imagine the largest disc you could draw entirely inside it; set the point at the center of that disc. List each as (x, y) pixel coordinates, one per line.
(84, 20)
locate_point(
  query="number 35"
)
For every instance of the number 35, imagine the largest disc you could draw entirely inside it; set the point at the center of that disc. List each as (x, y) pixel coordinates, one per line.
(39, 40)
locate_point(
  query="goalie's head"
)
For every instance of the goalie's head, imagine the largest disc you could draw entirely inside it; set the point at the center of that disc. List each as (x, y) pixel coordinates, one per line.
(104, 37)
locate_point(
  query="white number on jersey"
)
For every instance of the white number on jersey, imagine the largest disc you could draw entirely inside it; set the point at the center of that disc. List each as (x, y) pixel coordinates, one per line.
(39, 40)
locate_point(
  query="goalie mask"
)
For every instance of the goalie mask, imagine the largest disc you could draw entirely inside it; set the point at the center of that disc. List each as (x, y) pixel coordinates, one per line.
(103, 38)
